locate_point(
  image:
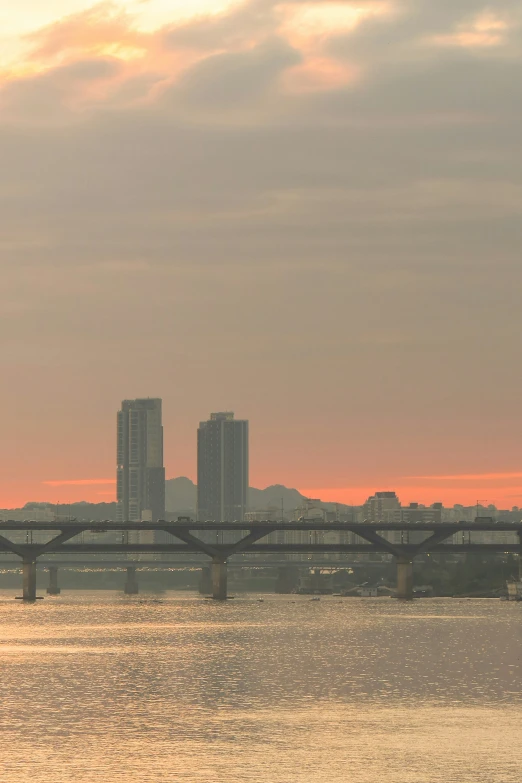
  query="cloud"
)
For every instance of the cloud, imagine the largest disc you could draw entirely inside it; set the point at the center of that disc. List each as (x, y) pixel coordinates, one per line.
(222, 163)
(104, 26)
(253, 200)
(53, 94)
(233, 29)
(225, 80)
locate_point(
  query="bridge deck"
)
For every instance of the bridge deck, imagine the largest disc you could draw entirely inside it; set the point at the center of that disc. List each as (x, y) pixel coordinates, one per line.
(315, 525)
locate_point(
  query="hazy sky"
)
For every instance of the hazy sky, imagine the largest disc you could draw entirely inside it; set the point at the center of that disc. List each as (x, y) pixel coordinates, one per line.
(306, 212)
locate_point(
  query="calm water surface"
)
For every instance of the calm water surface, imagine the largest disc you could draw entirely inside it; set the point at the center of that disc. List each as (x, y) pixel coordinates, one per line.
(97, 687)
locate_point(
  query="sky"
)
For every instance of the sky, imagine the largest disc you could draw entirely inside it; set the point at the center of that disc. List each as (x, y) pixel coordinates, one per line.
(305, 212)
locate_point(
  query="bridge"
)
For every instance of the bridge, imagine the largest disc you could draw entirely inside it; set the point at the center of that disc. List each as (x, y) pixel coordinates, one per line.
(184, 538)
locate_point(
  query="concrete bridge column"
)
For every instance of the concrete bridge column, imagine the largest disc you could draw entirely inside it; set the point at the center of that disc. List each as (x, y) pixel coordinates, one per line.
(29, 580)
(315, 579)
(404, 578)
(219, 580)
(53, 588)
(131, 582)
(287, 579)
(205, 581)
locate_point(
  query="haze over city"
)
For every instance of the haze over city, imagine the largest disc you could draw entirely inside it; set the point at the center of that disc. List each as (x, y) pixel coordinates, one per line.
(308, 213)
(261, 464)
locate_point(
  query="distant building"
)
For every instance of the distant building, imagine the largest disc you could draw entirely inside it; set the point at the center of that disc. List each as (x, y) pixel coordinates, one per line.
(416, 513)
(28, 514)
(140, 471)
(310, 511)
(382, 507)
(386, 507)
(222, 468)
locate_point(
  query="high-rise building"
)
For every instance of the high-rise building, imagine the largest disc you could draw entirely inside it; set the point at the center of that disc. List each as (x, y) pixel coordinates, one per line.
(222, 468)
(382, 507)
(140, 473)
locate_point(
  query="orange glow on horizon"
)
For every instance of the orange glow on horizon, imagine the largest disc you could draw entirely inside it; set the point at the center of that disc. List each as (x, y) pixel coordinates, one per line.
(64, 492)
(469, 477)
(78, 482)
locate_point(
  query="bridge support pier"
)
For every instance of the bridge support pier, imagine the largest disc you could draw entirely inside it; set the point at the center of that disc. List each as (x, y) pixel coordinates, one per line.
(219, 580)
(53, 588)
(205, 582)
(29, 580)
(131, 582)
(287, 579)
(404, 578)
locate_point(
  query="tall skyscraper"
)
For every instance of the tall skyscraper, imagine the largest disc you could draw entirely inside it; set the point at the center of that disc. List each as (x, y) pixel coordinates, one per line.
(140, 473)
(222, 468)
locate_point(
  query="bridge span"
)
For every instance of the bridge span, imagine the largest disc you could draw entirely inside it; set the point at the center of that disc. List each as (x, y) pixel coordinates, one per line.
(403, 541)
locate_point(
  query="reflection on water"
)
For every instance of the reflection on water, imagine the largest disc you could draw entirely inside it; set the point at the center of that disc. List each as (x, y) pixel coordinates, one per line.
(100, 687)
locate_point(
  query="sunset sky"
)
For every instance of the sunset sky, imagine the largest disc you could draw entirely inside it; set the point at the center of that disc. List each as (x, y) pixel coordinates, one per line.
(309, 213)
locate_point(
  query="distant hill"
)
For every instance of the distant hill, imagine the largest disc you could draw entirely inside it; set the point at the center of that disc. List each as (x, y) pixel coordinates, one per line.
(181, 499)
(273, 497)
(181, 495)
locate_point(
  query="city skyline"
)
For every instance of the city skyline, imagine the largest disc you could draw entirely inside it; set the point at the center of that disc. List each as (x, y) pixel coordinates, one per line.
(466, 489)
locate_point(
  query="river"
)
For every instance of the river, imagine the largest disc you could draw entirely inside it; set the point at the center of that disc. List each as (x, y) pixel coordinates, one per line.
(98, 687)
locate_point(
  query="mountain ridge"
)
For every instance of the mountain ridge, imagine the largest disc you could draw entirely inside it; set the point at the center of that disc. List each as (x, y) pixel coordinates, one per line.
(181, 495)
(181, 499)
